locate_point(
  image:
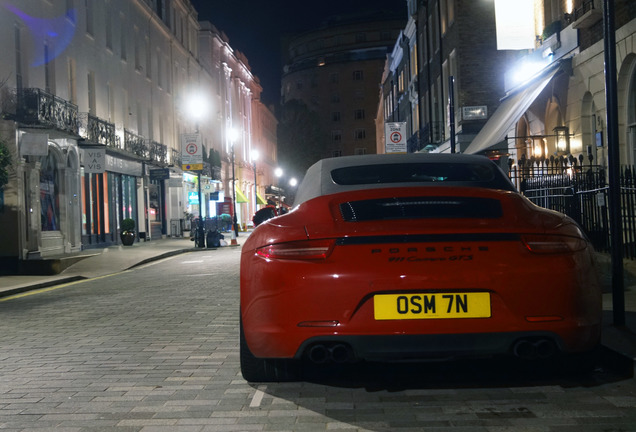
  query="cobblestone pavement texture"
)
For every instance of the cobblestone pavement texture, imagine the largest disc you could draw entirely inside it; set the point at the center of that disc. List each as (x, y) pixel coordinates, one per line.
(155, 348)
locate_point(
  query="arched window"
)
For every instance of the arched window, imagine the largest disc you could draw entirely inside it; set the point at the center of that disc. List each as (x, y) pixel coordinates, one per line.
(588, 125)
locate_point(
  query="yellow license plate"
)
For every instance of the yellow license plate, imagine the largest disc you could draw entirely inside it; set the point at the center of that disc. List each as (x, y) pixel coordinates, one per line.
(431, 305)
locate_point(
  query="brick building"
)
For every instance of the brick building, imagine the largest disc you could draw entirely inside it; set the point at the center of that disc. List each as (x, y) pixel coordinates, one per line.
(335, 71)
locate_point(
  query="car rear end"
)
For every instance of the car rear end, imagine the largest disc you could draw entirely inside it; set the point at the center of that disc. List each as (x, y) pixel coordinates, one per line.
(418, 272)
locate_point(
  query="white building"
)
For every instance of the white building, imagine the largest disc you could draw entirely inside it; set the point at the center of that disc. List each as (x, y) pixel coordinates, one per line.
(95, 98)
(246, 129)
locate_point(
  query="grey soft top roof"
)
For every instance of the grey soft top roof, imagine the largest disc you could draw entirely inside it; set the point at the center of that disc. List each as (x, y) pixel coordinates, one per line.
(319, 180)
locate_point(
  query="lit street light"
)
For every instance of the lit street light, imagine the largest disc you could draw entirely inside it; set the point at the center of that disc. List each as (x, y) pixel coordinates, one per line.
(293, 183)
(197, 108)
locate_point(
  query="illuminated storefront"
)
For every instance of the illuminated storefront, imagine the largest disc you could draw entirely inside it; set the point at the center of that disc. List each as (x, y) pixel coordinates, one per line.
(107, 199)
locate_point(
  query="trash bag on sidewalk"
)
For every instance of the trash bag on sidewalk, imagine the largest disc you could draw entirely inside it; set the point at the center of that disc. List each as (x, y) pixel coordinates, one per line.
(213, 239)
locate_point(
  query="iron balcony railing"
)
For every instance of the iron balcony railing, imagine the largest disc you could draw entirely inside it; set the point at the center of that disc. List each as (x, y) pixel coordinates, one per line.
(95, 130)
(585, 7)
(414, 143)
(34, 106)
(158, 152)
(136, 144)
(436, 132)
(176, 158)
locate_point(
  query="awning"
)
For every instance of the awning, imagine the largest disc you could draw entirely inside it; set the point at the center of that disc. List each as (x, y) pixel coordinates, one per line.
(508, 113)
(240, 196)
(260, 200)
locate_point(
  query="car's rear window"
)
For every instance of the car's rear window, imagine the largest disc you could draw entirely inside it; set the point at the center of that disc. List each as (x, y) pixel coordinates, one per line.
(437, 207)
(478, 174)
(413, 172)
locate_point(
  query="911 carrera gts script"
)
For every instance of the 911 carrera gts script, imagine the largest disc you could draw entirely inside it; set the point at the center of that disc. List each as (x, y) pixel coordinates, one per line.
(432, 305)
(430, 249)
(414, 254)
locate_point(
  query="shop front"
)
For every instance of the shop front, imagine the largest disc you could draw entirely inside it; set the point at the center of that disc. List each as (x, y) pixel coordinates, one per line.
(108, 197)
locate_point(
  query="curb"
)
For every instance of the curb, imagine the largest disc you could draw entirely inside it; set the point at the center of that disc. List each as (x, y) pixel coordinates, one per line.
(20, 290)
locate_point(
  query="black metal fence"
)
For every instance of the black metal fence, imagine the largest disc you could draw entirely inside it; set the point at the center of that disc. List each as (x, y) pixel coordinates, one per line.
(578, 188)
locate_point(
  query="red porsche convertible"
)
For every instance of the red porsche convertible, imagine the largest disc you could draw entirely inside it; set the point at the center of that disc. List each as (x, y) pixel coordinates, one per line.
(409, 257)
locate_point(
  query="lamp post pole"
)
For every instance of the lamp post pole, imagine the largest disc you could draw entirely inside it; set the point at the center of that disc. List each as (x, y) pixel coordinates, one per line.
(197, 107)
(279, 173)
(255, 189)
(254, 157)
(200, 228)
(234, 220)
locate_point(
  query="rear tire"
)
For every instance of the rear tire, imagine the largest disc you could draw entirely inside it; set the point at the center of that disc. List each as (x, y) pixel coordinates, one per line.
(256, 369)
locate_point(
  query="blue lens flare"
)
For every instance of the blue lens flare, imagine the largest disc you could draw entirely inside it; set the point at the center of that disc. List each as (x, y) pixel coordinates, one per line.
(55, 33)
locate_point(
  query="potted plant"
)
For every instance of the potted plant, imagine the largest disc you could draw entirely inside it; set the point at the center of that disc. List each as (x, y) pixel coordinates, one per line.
(127, 234)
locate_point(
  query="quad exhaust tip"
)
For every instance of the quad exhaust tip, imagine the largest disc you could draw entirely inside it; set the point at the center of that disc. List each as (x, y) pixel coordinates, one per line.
(336, 353)
(528, 349)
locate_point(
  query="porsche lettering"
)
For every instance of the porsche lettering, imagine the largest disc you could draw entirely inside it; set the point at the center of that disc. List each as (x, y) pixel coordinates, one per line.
(398, 259)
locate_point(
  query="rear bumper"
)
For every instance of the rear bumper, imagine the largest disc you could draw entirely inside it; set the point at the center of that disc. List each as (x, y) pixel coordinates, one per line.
(432, 347)
(400, 347)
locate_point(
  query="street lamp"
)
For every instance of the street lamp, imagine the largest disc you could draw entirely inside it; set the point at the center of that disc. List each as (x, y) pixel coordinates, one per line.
(254, 159)
(232, 135)
(562, 139)
(197, 108)
(292, 192)
(278, 172)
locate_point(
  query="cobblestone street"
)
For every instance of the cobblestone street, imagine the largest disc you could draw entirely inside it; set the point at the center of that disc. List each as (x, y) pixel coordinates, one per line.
(156, 349)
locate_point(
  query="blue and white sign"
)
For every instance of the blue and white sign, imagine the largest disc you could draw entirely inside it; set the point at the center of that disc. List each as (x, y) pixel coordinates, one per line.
(193, 197)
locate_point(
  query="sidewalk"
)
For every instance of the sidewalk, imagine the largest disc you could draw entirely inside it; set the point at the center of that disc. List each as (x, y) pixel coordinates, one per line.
(620, 341)
(93, 263)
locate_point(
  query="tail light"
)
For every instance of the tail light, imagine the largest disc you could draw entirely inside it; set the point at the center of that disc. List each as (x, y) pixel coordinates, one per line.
(553, 244)
(299, 250)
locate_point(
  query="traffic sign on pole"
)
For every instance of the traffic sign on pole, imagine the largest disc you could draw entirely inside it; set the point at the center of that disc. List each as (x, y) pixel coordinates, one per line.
(191, 152)
(395, 137)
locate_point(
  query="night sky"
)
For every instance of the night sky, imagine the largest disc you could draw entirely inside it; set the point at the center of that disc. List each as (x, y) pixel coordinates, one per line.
(255, 27)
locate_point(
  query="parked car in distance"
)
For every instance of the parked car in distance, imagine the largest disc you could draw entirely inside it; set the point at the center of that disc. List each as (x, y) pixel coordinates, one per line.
(413, 257)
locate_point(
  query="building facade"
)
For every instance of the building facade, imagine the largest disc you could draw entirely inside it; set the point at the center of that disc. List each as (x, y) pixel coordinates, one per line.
(447, 47)
(335, 71)
(244, 128)
(543, 102)
(97, 100)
